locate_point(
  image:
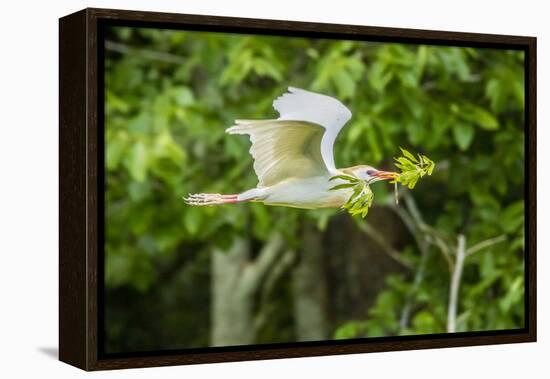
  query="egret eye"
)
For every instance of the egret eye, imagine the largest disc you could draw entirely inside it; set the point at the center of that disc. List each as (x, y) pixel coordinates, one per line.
(370, 172)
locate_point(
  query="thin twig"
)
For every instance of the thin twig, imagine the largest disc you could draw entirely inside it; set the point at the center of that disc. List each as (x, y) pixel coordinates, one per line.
(484, 244)
(455, 283)
(445, 251)
(417, 226)
(413, 224)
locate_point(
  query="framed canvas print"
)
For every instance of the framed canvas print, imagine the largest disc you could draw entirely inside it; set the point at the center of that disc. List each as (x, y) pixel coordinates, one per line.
(239, 189)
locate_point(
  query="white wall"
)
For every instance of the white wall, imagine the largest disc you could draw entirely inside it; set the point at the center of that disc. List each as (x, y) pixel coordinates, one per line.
(28, 186)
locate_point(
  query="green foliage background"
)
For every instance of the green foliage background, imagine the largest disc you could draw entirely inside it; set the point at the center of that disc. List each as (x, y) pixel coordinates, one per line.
(171, 94)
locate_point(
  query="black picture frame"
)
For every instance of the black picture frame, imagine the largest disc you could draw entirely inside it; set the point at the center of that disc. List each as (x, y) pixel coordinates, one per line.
(81, 188)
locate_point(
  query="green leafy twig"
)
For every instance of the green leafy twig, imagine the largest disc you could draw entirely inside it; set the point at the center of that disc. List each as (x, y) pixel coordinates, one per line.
(412, 168)
(361, 198)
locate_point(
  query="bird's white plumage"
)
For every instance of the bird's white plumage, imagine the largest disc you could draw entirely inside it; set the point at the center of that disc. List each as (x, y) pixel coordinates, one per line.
(299, 144)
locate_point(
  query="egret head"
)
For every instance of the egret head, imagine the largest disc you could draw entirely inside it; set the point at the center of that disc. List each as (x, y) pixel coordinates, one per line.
(370, 174)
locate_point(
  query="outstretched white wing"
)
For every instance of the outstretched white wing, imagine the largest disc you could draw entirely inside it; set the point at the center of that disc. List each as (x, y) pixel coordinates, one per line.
(299, 143)
(283, 149)
(331, 114)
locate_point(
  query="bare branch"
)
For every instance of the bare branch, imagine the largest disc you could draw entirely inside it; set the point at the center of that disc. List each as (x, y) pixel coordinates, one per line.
(485, 244)
(425, 236)
(413, 228)
(414, 221)
(444, 249)
(416, 226)
(413, 224)
(413, 209)
(455, 283)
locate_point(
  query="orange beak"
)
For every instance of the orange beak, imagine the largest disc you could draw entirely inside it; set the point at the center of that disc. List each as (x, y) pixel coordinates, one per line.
(385, 175)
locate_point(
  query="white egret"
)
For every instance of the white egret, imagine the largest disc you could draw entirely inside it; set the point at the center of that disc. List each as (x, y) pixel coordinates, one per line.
(293, 155)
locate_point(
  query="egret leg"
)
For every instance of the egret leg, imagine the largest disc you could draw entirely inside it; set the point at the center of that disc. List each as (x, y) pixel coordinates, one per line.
(202, 199)
(209, 199)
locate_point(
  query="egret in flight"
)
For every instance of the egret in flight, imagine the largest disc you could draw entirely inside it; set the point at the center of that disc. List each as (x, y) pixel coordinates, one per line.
(293, 155)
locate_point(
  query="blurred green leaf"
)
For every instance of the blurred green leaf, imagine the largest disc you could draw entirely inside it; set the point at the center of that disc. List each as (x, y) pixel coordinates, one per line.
(463, 134)
(137, 162)
(482, 117)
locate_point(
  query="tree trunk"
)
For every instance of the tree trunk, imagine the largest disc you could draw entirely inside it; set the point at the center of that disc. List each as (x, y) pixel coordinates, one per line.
(236, 279)
(231, 302)
(310, 291)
